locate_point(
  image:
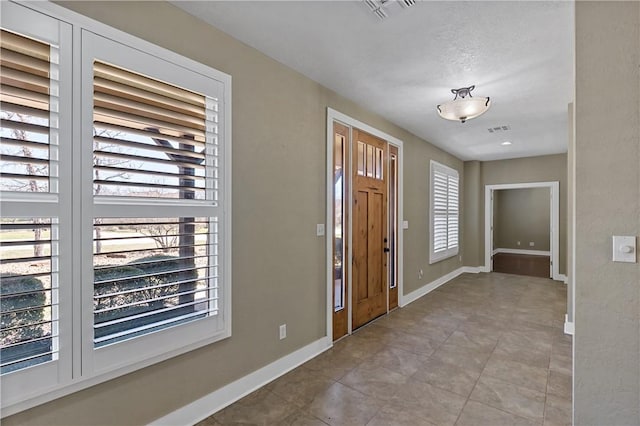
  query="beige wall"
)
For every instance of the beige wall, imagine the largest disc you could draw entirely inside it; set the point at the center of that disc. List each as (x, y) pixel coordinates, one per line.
(520, 170)
(607, 114)
(279, 119)
(472, 219)
(522, 215)
(571, 213)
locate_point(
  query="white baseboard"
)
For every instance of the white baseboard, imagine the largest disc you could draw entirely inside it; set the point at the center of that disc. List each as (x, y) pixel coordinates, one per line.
(202, 408)
(569, 327)
(427, 288)
(522, 251)
(472, 269)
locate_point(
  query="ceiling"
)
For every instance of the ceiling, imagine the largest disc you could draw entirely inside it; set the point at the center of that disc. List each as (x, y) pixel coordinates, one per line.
(518, 53)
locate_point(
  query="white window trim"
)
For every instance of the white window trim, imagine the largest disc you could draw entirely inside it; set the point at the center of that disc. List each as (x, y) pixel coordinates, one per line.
(72, 378)
(450, 252)
(554, 215)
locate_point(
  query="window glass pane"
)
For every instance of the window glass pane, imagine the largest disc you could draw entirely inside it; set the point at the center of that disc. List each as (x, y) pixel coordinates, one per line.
(150, 274)
(393, 221)
(28, 113)
(379, 163)
(370, 161)
(338, 219)
(28, 292)
(152, 139)
(361, 159)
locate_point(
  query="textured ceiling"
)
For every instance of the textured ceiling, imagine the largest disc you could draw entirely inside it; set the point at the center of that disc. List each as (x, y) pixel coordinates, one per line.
(518, 53)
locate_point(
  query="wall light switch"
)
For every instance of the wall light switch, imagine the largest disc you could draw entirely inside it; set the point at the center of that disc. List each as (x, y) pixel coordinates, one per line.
(320, 229)
(624, 249)
(405, 224)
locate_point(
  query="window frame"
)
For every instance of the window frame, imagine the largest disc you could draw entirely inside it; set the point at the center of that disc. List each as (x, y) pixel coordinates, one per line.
(448, 252)
(76, 216)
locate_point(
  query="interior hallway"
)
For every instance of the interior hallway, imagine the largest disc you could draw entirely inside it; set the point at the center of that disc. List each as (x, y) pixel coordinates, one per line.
(483, 349)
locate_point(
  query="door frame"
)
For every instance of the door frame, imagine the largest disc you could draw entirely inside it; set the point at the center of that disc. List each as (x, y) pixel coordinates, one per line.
(554, 231)
(333, 115)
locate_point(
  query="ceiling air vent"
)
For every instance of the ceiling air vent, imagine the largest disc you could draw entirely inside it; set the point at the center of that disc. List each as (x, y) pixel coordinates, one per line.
(383, 8)
(376, 8)
(498, 129)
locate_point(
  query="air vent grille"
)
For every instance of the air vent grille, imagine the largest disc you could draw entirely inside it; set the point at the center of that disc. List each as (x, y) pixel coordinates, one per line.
(499, 129)
(383, 8)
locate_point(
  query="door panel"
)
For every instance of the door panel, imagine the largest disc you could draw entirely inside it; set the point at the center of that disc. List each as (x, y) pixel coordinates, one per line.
(370, 228)
(360, 244)
(375, 238)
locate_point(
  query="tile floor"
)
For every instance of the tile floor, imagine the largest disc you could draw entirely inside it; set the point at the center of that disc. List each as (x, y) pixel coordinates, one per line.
(483, 349)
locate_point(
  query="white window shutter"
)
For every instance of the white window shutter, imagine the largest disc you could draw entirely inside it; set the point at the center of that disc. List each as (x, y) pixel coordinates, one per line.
(444, 212)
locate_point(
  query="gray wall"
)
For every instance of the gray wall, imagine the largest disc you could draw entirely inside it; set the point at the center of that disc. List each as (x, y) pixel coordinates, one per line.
(607, 114)
(520, 170)
(522, 215)
(279, 122)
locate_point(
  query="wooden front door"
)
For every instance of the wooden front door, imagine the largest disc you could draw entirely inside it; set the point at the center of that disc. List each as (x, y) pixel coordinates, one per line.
(370, 240)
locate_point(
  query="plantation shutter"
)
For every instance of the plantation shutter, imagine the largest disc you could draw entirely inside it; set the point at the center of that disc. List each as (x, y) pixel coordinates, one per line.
(28, 164)
(452, 212)
(155, 286)
(28, 301)
(29, 106)
(150, 137)
(444, 212)
(152, 140)
(440, 211)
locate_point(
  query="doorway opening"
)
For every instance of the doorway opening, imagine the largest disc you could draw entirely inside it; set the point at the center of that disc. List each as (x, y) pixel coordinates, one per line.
(526, 239)
(364, 209)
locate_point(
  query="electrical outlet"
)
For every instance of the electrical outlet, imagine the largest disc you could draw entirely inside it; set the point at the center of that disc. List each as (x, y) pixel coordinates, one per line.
(531, 244)
(420, 274)
(518, 243)
(283, 331)
(320, 229)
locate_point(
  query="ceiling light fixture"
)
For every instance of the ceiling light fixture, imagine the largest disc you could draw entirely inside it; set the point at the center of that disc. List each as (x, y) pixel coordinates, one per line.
(505, 143)
(463, 106)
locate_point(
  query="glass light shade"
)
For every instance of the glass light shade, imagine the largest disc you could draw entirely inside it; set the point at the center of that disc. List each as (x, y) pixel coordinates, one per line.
(464, 109)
